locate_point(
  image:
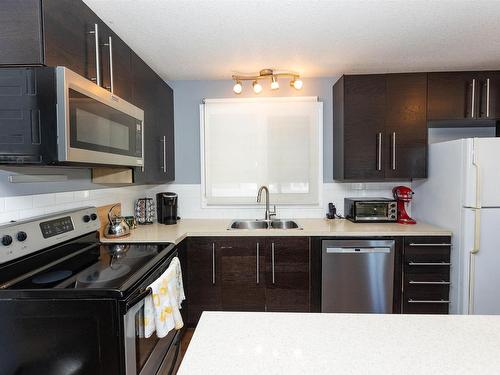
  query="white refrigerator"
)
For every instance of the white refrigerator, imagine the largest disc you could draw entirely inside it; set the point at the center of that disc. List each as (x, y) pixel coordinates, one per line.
(462, 194)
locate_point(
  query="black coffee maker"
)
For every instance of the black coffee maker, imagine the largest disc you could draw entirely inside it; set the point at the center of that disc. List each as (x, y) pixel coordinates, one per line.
(166, 208)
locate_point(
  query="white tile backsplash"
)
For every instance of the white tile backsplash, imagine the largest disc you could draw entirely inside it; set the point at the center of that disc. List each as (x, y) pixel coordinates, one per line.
(18, 203)
(21, 207)
(66, 197)
(44, 200)
(190, 201)
(81, 195)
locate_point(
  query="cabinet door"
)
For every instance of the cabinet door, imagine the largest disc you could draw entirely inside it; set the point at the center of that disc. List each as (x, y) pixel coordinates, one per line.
(450, 96)
(121, 68)
(288, 274)
(67, 25)
(489, 95)
(364, 119)
(144, 96)
(406, 126)
(240, 273)
(202, 287)
(166, 123)
(20, 32)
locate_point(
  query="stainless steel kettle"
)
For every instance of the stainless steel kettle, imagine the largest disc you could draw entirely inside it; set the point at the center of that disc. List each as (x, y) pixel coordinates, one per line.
(117, 226)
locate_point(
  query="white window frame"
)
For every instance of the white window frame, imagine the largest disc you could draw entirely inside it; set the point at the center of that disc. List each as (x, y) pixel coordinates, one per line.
(204, 203)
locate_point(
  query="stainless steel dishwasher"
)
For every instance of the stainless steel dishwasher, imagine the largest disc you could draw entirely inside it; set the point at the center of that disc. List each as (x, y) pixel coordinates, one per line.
(357, 276)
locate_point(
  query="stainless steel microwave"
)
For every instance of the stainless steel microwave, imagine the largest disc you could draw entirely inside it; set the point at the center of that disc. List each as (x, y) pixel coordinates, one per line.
(55, 116)
(94, 125)
(372, 210)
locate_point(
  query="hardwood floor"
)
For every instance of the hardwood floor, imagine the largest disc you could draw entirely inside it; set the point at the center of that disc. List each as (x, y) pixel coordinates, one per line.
(186, 339)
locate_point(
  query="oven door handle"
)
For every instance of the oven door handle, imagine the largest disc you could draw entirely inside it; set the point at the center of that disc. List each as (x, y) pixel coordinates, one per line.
(134, 301)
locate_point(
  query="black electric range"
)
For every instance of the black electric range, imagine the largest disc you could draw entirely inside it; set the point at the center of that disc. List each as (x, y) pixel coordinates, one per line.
(71, 302)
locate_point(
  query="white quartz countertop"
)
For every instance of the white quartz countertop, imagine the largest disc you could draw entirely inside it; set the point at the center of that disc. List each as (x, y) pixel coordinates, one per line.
(310, 227)
(325, 344)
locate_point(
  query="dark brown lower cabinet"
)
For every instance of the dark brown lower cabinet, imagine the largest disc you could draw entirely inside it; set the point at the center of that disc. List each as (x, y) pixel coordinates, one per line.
(287, 269)
(247, 274)
(426, 275)
(201, 289)
(240, 274)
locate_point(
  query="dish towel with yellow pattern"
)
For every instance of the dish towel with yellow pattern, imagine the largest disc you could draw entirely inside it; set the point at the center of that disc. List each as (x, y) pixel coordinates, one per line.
(162, 306)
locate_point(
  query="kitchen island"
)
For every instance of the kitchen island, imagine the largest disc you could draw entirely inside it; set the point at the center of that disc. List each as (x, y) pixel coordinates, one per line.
(362, 344)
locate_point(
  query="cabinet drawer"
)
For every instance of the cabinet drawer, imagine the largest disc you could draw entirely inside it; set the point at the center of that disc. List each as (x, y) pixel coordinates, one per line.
(425, 308)
(416, 294)
(426, 278)
(426, 256)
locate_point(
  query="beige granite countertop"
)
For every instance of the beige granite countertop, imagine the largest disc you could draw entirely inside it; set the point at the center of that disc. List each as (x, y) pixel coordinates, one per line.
(310, 228)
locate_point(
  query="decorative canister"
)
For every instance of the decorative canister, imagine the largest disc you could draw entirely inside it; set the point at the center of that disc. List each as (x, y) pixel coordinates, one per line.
(145, 211)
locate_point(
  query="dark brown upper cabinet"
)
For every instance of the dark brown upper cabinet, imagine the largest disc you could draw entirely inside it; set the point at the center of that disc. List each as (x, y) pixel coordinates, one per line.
(406, 126)
(64, 33)
(380, 127)
(463, 96)
(155, 97)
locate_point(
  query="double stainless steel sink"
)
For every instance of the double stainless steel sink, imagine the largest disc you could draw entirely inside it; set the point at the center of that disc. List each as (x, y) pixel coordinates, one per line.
(264, 224)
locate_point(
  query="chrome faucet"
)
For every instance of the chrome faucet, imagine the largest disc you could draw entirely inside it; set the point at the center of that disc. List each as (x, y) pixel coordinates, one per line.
(259, 198)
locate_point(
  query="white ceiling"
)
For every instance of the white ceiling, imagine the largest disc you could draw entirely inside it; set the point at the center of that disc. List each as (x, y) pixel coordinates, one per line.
(212, 39)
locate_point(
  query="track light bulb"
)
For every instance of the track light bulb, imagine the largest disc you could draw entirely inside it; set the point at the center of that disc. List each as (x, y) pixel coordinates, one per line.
(257, 87)
(297, 83)
(274, 83)
(237, 88)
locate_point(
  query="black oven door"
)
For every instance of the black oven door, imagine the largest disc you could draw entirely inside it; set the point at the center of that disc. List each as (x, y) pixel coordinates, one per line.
(144, 355)
(147, 355)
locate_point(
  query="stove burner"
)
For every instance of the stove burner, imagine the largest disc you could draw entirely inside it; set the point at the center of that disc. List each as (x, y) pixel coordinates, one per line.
(51, 277)
(102, 275)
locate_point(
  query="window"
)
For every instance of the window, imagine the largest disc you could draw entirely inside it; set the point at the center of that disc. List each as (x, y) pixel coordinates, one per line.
(247, 143)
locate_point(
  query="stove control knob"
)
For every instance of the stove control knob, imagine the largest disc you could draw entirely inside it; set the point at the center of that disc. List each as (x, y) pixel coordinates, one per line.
(21, 236)
(86, 218)
(6, 240)
(93, 217)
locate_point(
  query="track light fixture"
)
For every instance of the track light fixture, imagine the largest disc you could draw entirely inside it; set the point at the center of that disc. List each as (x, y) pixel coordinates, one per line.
(257, 87)
(295, 80)
(237, 88)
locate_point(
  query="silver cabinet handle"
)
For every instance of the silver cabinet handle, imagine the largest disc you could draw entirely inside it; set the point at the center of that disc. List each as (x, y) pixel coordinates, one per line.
(393, 151)
(488, 97)
(213, 263)
(257, 263)
(97, 78)
(430, 244)
(142, 145)
(272, 260)
(429, 264)
(427, 301)
(473, 101)
(379, 151)
(164, 141)
(111, 79)
(442, 282)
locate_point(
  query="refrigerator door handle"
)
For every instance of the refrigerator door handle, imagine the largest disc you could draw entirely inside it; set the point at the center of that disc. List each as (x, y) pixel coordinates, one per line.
(477, 208)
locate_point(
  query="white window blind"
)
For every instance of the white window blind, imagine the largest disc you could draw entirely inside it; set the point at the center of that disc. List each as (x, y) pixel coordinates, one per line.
(247, 143)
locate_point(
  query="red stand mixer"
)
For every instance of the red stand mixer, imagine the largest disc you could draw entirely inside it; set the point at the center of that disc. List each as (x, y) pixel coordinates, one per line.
(403, 195)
